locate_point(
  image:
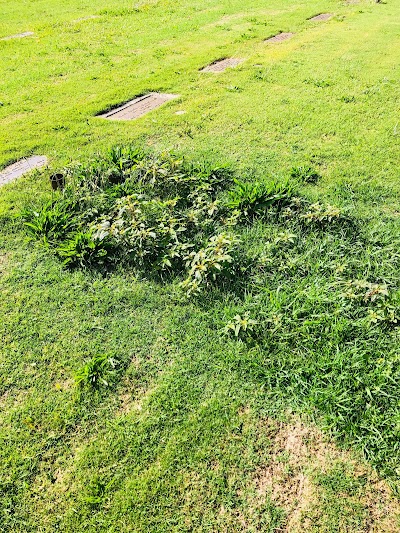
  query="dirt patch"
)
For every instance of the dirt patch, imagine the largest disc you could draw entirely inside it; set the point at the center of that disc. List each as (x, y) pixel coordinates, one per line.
(284, 479)
(280, 37)
(299, 453)
(222, 64)
(139, 106)
(229, 18)
(53, 485)
(18, 169)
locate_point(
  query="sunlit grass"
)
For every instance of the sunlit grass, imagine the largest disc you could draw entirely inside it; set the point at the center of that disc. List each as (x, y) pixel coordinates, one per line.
(182, 430)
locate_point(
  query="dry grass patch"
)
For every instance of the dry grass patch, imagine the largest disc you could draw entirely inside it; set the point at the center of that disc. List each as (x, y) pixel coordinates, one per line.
(4, 261)
(52, 490)
(131, 401)
(13, 400)
(306, 471)
(64, 385)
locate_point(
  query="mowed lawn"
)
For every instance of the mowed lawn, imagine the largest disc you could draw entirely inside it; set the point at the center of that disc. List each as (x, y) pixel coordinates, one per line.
(201, 432)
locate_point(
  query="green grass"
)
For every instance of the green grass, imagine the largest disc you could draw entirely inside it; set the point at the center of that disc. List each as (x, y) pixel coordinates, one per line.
(179, 437)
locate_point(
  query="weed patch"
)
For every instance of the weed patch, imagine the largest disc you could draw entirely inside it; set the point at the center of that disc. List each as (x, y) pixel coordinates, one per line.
(96, 372)
(255, 199)
(158, 214)
(305, 174)
(301, 277)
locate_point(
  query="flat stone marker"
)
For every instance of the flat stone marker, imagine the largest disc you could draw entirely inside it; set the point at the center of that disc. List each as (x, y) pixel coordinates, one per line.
(322, 16)
(17, 36)
(222, 64)
(16, 170)
(279, 38)
(139, 106)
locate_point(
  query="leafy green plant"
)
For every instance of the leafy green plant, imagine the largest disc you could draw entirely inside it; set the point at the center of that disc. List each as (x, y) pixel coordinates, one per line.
(218, 176)
(322, 214)
(146, 230)
(234, 89)
(254, 199)
(384, 313)
(305, 174)
(94, 372)
(82, 249)
(148, 210)
(104, 171)
(95, 492)
(125, 157)
(49, 223)
(348, 99)
(285, 237)
(209, 262)
(241, 327)
(360, 289)
(382, 305)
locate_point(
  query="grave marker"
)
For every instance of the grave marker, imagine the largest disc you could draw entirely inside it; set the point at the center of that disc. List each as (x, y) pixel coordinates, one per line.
(138, 107)
(222, 64)
(22, 167)
(321, 16)
(17, 36)
(279, 38)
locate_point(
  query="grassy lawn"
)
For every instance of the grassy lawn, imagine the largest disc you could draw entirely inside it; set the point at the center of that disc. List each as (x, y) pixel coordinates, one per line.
(294, 428)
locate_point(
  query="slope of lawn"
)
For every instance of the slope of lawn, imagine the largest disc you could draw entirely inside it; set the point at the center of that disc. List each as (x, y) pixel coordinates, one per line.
(293, 425)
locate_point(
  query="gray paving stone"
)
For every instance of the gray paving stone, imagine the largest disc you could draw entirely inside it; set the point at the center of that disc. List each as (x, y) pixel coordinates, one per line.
(138, 107)
(20, 168)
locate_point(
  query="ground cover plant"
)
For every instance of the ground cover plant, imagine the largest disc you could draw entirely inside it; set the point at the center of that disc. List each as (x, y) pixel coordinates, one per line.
(298, 301)
(200, 331)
